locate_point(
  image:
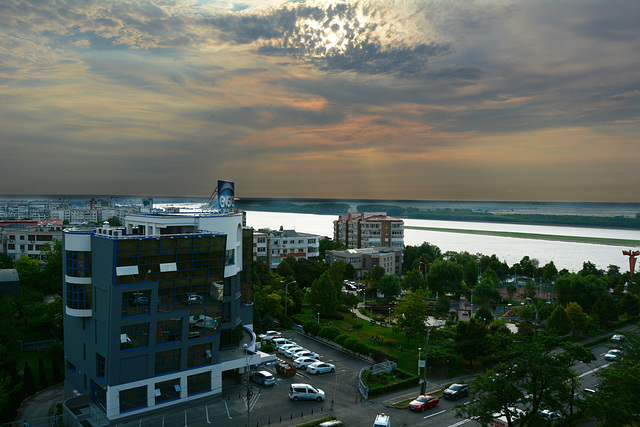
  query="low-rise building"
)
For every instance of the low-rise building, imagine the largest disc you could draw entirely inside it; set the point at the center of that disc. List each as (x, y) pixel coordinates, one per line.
(273, 246)
(28, 237)
(363, 260)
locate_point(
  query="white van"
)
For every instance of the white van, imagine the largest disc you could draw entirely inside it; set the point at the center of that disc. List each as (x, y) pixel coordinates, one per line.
(305, 392)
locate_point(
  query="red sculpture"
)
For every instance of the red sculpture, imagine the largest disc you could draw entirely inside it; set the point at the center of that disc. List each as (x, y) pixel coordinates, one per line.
(632, 260)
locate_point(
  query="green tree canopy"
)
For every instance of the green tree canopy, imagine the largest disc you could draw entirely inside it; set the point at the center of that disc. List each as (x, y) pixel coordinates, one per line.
(389, 285)
(445, 277)
(323, 296)
(411, 314)
(559, 322)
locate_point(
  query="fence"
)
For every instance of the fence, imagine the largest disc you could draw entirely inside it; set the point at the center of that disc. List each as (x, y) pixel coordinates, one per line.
(387, 367)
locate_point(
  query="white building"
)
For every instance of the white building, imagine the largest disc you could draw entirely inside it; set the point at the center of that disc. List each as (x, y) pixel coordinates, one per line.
(274, 246)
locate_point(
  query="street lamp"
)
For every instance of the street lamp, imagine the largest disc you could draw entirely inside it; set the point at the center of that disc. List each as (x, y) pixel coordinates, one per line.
(249, 391)
(419, 350)
(537, 311)
(389, 316)
(318, 318)
(286, 297)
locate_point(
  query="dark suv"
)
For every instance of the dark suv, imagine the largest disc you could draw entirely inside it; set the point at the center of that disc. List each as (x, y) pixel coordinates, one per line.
(456, 391)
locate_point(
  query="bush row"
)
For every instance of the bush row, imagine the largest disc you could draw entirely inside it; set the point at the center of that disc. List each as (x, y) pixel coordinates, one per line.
(334, 334)
(409, 380)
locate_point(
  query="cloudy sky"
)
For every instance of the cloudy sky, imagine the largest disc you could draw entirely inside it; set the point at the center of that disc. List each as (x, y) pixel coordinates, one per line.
(453, 100)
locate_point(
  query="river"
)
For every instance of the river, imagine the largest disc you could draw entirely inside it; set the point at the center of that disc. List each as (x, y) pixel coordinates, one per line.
(508, 249)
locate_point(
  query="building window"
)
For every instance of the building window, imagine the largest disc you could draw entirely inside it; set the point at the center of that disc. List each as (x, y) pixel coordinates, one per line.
(167, 361)
(100, 367)
(134, 398)
(167, 390)
(230, 257)
(169, 330)
(135, 303)
(98, 396)
(134, 336)
(199, 355)
(79, 296)
(71, 367)
(78, 264)
(199, 383)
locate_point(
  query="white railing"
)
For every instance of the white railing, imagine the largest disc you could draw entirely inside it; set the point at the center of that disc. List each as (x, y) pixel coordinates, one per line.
(386, 366)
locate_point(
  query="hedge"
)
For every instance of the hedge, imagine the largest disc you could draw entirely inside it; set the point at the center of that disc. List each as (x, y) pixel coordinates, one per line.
(330, 332)
(409, 381)
(340, 339)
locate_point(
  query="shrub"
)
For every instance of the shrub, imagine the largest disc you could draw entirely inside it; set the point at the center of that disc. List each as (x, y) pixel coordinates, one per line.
(268, 348)
(340, 339)
(362, 348)
(350, 343)
(312, 327)
(378, 356)
(330, 332)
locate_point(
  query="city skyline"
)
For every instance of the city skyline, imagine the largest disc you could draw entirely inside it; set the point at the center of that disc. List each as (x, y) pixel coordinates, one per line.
(415, 100)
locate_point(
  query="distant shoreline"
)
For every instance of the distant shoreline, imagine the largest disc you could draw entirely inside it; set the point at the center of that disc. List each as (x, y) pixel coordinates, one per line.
(535, 236)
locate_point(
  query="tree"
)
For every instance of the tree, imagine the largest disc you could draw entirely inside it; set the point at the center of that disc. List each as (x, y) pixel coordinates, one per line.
(5, 261)
(549, 271)
(445, 277)
(389, 285)
(413, 281)
(511, 290)
(471, 339)
(52, 271)
(611, 406)
(411, 314)
(28, 271)
(323, 296)
(329, 245)
(630, 304)
(443, 305)
(577, 316)
(484, 314)
(559, 322)
(485, 291)
(114, 221)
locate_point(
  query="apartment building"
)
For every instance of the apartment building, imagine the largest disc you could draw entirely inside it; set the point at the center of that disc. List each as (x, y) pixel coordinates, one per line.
(28, 237)
(369, 230)
(274, 246)
(156, 312)
(364, 259)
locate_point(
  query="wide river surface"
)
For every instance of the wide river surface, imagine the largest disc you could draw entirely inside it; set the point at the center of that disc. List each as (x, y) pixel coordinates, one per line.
(509, 249)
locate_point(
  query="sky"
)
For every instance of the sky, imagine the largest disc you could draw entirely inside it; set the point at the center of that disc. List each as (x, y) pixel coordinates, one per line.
(423, 100)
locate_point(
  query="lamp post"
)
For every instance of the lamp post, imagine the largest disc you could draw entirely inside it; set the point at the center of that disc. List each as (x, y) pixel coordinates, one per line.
(389, 316)
(537, 311)
(419, 350)
(286, 297)
(318, 318)
(249, 392)
(426, 347)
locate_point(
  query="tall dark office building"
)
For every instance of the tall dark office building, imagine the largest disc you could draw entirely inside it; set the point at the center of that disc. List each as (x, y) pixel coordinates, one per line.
(156, 311)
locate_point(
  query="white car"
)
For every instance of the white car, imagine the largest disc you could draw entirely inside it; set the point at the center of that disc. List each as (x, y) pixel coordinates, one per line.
(303, 362)
(278, 342)
(284, 347)
(306, 353)
(269, 335)
(618, 337)
(293, 350)
(613, 354)
(320, 368)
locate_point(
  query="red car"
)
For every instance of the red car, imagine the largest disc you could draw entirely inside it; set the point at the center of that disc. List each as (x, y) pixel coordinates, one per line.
(423, 402)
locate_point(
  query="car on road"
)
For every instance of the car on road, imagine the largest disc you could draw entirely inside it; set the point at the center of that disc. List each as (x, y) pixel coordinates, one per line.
(618, 337)
(612, 354)
(424, 401)
(305, 392)
(382, 420)
(456, 391)
(332, 423)
(587, 393)
(269, 335)
(306, 353)
(293, 350)
(303, 362)
(320, 368)
(265, 378)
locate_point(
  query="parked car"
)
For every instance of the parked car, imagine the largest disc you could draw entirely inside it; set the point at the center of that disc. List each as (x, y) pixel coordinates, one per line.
(587, 393)
(283, 348)
(550, 416)
(293, 350)
(303, 362)
(332, 423)
(424, 401)
(618, 337)
(320, 368)
(269, 335)
(277, 342)
(382, 420)
(263, 377)
(456, 391)
(195, 299)
(613, 354)
(306, 353)
(305, 392)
